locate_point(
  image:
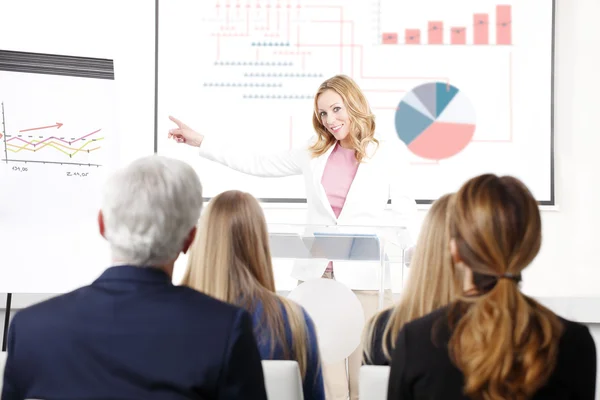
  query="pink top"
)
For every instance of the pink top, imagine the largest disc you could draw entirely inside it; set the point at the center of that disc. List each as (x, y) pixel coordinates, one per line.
(338, 175)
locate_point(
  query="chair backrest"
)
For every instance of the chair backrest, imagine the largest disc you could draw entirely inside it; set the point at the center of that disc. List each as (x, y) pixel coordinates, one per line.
(373, 382)
(282, 380)
(3, 355)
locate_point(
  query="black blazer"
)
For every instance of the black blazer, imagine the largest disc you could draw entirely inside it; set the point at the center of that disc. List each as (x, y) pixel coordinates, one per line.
(376, 355)
(132, 334)
(422, 370)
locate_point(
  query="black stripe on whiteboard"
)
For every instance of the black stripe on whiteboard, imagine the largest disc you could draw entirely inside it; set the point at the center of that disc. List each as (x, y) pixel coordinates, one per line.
(54, 64)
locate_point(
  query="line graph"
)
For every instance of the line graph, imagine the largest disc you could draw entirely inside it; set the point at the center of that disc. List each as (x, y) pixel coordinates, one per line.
(55, 145)
(53, 142)
(29, 144)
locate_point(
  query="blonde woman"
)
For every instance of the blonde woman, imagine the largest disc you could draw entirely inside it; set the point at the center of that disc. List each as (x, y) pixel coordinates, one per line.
(494, 343)
(433, 283)
(349, 176)
(231, 261)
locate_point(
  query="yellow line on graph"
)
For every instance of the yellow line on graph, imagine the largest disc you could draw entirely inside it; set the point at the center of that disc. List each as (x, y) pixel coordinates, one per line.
(49, 144)
(52, 144)
(79, 149)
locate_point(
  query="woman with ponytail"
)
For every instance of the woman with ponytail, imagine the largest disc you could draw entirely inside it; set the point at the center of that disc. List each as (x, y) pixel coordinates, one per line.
(493, 343)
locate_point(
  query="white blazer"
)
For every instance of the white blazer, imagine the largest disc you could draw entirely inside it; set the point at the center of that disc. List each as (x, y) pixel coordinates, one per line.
(381, 176)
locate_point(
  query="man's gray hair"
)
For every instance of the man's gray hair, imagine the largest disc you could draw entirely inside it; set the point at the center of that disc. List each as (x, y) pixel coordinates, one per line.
(149, 208)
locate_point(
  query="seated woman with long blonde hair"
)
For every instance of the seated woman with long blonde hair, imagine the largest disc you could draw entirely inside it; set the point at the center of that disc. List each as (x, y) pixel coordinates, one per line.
(432, 283)
(231, 261)
(494, 342)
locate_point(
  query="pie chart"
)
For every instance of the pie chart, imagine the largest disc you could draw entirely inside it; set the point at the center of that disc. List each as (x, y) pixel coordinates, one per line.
(435, 120)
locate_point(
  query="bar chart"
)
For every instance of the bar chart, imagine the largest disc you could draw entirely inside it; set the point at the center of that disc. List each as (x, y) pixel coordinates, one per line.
(480, 28)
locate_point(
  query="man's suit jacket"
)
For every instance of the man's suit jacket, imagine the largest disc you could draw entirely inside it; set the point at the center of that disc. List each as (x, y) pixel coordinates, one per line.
(132, 334)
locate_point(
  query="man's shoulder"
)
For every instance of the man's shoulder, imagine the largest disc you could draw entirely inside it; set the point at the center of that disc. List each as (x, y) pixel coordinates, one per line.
(197, 301)
(180, 300)
(38, 312)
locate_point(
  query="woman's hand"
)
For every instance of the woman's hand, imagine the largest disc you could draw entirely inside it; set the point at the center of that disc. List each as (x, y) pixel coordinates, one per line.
(185, 134)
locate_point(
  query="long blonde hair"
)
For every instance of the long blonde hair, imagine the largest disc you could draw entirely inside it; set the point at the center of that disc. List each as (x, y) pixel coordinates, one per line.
(433, 281)
(231, 261)
(504, 342)
(362, 127)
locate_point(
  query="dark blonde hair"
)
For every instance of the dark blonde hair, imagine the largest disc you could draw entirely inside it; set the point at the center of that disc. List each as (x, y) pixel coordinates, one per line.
(362, 127)
(504, 342)
(433, 281)
(231, 261)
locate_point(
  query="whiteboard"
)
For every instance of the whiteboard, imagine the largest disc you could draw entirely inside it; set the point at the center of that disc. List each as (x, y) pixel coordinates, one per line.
(67, 69)
(466, 85)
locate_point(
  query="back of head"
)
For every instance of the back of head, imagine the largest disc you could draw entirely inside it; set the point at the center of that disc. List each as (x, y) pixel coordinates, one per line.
(433, 281)
(149, 209)
(359, 112)
(231, 261)
(504, 342)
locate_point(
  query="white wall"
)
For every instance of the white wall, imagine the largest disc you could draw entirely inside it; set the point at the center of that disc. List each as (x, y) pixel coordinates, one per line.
(569, 263)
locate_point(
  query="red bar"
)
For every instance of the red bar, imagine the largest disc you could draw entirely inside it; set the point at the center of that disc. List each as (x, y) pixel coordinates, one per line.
(435, 30)
(412, 36)
(458, 35)
(481, 22)
(389, 38)
(503, 25)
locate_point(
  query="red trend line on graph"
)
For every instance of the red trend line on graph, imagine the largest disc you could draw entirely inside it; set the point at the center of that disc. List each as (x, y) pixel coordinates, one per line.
(57, 126)
(53, 137)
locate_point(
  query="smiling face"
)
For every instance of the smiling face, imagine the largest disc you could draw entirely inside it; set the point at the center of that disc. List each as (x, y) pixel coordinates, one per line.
(334, 116)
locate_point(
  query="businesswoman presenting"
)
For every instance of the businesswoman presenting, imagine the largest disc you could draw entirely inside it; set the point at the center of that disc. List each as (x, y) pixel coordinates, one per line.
(349, 176)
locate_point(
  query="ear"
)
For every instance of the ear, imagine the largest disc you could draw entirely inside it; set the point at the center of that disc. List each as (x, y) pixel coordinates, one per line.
(189, 240)
(454, 252)
(101, 226)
